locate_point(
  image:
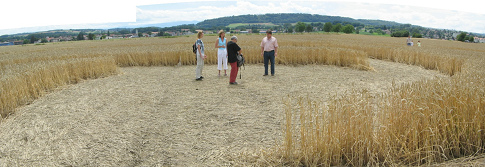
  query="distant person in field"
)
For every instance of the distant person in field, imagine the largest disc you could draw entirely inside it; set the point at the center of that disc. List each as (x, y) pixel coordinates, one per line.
(409, 41)
(221, 44)
(419, 43)
(200, 56)
(232, 51)
(269, 50)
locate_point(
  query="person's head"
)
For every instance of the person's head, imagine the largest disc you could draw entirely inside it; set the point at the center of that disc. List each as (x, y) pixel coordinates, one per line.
(222, 34)
(200, 34)
(269, 33)
(234, 39)
(419, 41)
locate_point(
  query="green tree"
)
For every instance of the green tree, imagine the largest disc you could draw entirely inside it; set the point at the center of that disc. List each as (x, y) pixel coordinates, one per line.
(461, 37)
(327, 27)
(91, 36)
(108, 33)
(348, 29)
(357, 31)
(309, 28)
(149, 33)
(124, 31)
(140, 34)
(255, 30)
(80, 36)
(33, 39)
(300, 27)
(26, 41)
(417, 35)
(337, 28)
(380, 32)
(471, 38)
(286, 26)
(43, 40)
(290, 29)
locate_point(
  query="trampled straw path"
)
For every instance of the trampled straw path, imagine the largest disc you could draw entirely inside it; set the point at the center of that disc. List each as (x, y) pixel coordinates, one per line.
(161, 116)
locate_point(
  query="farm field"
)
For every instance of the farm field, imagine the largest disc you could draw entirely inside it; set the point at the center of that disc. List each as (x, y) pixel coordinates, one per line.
(419, 106)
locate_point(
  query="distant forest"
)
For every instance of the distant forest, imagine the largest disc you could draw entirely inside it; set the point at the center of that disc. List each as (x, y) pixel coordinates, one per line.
(290, 18)
(283, 22)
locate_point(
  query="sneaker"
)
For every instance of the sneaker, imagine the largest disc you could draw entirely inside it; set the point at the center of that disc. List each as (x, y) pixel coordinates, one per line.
(225, 74)
(265, 75)
(272, 74)
(233, 83)
(199, 79)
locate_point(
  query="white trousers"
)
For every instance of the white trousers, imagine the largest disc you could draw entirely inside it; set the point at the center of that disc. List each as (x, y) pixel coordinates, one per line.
(200, 66)
(221, 59)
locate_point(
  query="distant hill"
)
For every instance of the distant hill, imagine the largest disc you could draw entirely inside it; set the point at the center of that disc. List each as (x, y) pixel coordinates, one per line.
(288, 18)
(265, 21)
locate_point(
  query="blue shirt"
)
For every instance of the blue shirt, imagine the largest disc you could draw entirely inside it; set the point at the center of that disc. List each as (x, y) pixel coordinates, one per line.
(222, 43)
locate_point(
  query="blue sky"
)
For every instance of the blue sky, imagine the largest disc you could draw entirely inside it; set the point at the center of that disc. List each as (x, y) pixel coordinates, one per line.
(40, 15)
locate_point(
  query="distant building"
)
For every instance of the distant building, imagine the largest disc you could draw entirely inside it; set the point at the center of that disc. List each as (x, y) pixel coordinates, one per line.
(264, 32)
(479, 40)
(6, 43)
(18, 42)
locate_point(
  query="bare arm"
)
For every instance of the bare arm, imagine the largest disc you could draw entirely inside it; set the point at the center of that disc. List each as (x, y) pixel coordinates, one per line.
(275, 51)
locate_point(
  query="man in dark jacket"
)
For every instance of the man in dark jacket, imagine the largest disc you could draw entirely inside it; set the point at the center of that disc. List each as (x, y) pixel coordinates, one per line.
(232, 51)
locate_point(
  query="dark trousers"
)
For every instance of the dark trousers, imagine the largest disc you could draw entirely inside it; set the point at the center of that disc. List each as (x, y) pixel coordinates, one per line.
(268, 56)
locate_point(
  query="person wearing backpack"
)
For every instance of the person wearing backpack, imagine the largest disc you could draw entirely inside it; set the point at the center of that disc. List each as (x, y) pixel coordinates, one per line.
(221, 44)
(200, 56)
(232, 51)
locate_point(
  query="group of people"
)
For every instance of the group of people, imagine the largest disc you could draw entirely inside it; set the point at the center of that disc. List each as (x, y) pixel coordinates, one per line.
(227, 52)
(410, 42)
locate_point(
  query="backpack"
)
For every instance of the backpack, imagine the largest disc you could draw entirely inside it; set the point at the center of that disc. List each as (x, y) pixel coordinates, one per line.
(240, 62)
(194, 48)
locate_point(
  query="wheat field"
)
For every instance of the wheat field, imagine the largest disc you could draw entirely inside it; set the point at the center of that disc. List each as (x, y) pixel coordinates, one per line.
(419, 123)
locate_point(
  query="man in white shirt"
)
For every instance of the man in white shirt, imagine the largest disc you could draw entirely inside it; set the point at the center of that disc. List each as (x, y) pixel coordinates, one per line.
(269, 50)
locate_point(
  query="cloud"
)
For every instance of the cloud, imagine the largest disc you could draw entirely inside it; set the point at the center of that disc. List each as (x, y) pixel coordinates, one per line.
(427, 17)
(92, 13)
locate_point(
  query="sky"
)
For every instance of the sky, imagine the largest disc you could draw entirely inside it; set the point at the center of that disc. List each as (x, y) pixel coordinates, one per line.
(42, 15)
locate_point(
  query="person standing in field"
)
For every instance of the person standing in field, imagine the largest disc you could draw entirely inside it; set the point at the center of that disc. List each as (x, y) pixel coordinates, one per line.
(232, 51)
(409, 41)
(269, 50)
(221, 44)
(419, 43)
(200, 56)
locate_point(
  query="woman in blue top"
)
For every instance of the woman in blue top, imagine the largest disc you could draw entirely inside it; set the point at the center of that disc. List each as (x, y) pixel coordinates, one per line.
(221, 44)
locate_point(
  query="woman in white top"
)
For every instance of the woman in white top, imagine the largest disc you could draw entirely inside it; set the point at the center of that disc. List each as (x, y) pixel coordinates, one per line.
(221, 44)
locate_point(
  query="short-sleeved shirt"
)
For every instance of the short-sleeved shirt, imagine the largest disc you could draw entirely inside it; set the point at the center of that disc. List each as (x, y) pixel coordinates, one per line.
(409, 40)
(269, 44)
(201, 44)
(232, 49)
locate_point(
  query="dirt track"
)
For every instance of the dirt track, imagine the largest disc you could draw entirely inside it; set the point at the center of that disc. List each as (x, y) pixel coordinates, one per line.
(161, 116)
